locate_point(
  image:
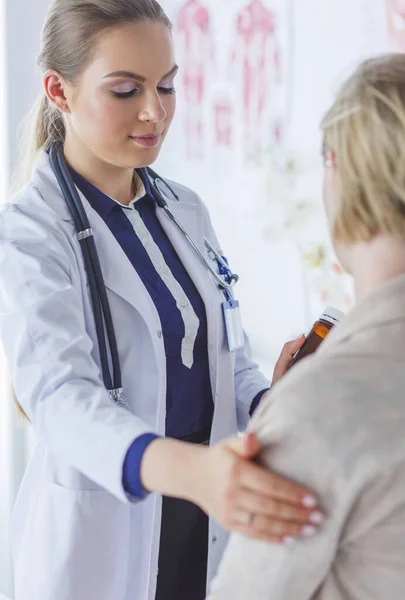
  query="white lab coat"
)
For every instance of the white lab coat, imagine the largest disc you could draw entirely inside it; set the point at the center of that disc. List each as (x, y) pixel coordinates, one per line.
(76, 534)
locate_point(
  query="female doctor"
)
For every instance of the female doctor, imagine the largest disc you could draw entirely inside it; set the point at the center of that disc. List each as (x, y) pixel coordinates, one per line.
(85, 525)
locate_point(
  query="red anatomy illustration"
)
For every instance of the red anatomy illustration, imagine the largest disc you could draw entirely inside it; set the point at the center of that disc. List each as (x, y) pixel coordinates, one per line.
(194, 35)
(257, 56)
(223, 121)
(396, 23)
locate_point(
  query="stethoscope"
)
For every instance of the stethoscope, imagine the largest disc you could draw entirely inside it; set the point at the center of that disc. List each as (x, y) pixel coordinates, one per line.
(160, 187)
(225, 279)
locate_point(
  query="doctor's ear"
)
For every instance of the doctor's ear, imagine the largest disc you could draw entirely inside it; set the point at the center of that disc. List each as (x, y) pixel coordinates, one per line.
(55, 90)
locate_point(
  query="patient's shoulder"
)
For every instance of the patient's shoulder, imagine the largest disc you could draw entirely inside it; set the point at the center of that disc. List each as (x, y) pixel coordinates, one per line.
(341, 410)
(313, 387)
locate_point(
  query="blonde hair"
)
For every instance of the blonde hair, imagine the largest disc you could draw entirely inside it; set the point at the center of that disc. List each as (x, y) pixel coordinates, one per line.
(68, 39)
(365, 128)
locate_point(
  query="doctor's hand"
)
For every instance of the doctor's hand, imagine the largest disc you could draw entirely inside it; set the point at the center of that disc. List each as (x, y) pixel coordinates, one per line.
(248, 499)
(286, 356)
(227, 484)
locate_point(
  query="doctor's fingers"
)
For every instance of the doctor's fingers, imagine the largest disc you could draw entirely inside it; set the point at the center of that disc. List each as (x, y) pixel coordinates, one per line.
(286, 356)
(252, 503)
(269, 530)
(267, 484)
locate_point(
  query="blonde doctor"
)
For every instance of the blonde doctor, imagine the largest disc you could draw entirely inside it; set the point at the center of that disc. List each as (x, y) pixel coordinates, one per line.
(86, 525)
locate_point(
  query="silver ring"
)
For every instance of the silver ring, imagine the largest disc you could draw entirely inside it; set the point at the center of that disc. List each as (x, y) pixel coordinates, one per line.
(251, 520)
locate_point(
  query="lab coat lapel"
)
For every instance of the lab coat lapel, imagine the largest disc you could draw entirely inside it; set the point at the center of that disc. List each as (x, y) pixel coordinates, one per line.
(122, 279)
(119, 275)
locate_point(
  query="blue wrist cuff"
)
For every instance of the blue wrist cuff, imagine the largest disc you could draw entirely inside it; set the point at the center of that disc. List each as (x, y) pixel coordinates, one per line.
(131, 475)
(256, 401)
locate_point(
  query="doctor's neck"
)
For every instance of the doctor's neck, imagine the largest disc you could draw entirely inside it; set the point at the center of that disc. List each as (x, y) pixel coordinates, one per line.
(117, 182)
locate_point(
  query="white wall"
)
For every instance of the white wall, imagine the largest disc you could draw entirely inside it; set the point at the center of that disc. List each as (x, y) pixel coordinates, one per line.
(23, 28)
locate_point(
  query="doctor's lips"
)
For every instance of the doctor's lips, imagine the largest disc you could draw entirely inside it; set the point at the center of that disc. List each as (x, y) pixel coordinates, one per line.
(149, 140)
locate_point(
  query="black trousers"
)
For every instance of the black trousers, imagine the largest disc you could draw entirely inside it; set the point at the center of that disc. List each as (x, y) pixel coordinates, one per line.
(183, 549)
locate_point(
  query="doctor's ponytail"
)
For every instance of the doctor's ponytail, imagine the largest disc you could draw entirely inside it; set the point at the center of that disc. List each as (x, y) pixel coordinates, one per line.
(68, 37)
(70, 31)
(43, 125)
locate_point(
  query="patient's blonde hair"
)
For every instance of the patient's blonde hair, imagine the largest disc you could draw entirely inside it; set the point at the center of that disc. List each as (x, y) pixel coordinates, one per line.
(365, 128)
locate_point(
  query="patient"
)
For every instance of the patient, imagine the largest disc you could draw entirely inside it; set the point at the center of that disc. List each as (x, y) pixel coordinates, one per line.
(337, 420)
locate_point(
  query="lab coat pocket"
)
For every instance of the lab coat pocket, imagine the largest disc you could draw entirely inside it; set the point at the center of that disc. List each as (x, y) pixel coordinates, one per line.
(74, 546)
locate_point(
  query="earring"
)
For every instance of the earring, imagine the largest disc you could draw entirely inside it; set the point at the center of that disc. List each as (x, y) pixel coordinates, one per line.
(64, 106)
(329, 159)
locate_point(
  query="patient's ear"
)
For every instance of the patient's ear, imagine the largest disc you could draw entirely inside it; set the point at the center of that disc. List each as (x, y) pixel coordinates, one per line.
(330, 185)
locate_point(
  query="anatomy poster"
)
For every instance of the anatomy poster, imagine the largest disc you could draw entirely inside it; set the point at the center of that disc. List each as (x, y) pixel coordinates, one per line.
(396, 24)
(193, 24)
(233, 82)
(257, 66)
(255, 79)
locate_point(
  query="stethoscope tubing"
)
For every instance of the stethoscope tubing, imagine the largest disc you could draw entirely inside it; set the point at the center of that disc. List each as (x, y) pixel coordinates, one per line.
(101, 308)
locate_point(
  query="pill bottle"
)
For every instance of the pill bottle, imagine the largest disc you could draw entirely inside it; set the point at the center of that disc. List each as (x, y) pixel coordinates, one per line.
(328, 319)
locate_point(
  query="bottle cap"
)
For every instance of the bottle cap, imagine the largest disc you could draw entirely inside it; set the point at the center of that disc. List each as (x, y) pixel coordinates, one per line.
(332, 315)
